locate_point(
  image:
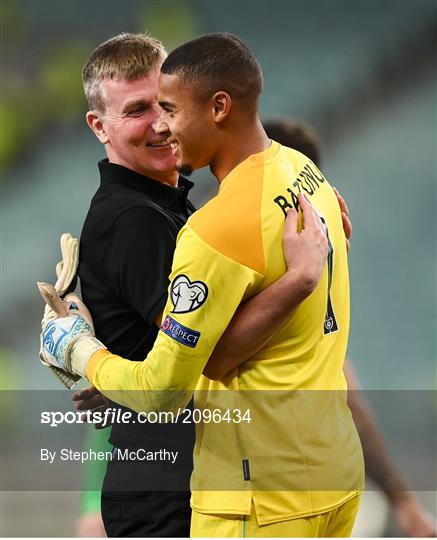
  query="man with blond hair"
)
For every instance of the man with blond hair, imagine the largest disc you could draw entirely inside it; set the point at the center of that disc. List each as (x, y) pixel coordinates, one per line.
(126, 251)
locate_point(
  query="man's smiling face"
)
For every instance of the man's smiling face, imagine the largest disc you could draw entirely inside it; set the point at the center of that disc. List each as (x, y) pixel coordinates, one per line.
(186, 122)
(129, 120)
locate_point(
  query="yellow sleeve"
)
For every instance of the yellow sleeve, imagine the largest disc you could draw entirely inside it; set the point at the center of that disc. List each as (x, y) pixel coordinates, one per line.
(206, 288)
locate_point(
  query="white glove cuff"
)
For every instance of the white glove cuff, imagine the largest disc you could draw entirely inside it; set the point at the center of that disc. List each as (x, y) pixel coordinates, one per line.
(81, 351)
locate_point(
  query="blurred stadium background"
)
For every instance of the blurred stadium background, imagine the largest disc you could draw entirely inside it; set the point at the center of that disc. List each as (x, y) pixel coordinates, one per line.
(362, 73)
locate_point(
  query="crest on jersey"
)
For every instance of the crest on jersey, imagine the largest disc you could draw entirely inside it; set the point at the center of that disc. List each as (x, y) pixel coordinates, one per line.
(187, 295)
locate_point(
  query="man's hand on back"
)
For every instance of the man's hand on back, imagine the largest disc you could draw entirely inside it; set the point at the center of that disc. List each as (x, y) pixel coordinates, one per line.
(305, 252)
(90, 399)
(347, 224)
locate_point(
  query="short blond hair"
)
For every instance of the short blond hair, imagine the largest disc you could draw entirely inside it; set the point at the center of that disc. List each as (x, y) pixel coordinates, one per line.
(125, 56)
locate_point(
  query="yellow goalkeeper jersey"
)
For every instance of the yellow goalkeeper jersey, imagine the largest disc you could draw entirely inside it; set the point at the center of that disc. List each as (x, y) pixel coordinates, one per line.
(278, 433)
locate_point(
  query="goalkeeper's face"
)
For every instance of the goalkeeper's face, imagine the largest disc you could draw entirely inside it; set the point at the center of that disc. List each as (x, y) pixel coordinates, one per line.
(188, 122)
(128, 127)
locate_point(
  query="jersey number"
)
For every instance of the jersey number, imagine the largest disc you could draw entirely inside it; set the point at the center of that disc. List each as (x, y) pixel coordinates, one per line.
(330, 325)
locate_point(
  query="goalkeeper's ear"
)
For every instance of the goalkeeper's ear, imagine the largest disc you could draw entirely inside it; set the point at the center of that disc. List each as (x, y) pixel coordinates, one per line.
(95, 121)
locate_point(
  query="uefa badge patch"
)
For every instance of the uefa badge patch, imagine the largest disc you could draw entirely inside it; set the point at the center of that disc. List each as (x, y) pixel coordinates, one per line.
(187, 295)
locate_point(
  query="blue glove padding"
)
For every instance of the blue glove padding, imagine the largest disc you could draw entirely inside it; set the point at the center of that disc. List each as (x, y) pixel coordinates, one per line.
(59, 336)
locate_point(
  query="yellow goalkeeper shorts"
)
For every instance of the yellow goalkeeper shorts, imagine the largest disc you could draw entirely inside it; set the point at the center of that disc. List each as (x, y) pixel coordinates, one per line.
(334, 523)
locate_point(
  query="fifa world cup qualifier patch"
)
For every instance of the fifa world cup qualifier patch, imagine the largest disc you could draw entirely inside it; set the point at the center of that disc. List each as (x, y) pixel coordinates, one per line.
(179, 332)
(187, 295)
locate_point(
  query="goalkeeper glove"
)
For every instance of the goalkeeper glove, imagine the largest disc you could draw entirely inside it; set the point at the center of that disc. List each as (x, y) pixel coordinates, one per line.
(66, 281)
(61, 335)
